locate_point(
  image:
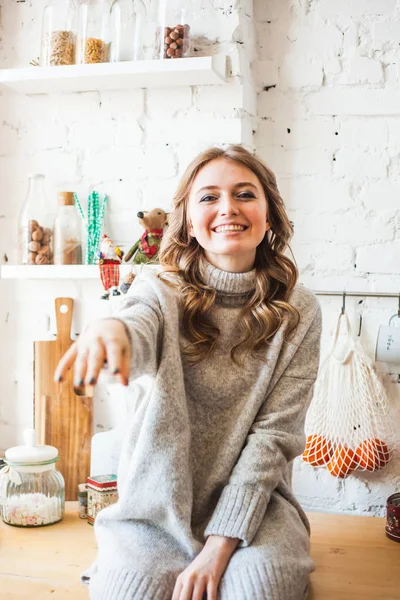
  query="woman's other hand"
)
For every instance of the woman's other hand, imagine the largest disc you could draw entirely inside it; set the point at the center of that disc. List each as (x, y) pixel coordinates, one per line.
(201, 578)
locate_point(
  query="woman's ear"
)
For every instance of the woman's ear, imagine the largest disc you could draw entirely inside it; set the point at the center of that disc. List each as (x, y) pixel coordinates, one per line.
(267, 226)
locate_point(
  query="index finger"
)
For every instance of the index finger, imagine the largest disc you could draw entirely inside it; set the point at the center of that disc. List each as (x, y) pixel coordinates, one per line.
(65, 363)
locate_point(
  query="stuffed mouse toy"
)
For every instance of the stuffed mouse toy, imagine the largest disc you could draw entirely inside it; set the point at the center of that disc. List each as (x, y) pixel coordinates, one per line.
(146, 249)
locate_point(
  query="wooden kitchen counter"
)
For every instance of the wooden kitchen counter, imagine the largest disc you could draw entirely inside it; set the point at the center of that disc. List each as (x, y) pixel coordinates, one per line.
(355, 560)
(46, 562)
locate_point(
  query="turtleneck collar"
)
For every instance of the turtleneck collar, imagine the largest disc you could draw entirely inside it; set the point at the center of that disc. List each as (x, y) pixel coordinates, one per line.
(234, 285)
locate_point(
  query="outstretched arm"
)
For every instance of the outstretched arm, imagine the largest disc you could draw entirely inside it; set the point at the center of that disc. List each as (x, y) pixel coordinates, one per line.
(129, 342)
(142, 318)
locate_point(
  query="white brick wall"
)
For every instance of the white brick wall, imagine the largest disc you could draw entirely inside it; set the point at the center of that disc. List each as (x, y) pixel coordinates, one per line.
(326, 74)
(130, 144)
(330, 129)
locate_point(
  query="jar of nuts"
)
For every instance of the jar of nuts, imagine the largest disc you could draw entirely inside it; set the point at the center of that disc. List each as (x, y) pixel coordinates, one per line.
(35, 226)
(94, 32)
(58, 34)
(173, 32)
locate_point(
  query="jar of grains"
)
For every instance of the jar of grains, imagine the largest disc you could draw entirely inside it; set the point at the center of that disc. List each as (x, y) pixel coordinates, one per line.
(35, 226)
(173, 31)
(67, 232)
(58, 34)
(94, 32)
(32, 491)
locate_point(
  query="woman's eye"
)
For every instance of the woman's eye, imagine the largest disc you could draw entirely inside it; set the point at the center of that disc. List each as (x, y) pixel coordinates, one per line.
(207, 198)
(246, 195)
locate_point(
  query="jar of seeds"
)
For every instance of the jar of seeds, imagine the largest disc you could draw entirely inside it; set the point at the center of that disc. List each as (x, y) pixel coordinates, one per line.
(173, 32)
(94, 32)
(35, 226)
(58, 44)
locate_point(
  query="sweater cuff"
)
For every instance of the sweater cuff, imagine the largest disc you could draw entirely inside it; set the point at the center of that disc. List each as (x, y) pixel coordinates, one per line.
(126, 327)
(238, 514)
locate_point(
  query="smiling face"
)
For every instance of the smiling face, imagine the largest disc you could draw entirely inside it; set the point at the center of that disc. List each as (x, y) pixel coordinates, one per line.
(227, 214)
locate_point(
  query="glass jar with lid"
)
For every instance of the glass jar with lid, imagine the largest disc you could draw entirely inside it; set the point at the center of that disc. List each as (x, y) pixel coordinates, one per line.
(32, 490)
(67, 232)
(94, 32)
(128, 22)
(35, 225)
(58, 43)
(175, 19)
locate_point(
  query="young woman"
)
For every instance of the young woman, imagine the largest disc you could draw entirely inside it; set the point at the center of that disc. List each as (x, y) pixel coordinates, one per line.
(232, 346)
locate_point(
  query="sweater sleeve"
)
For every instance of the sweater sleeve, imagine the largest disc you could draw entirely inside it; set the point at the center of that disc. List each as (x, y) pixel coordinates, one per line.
(275, 438)
(141, 314)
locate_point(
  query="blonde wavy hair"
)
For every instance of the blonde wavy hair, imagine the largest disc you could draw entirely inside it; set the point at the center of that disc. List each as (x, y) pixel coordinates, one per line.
(267, 305)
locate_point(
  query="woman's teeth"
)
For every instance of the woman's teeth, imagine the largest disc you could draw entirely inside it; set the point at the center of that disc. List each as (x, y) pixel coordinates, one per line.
(223, 228)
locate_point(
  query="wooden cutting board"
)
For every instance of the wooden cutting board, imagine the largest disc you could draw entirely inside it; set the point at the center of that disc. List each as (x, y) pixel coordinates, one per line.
(63, 419)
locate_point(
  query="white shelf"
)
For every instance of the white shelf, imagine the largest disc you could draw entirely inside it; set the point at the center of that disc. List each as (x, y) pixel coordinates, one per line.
(203, 70)
(61, 271)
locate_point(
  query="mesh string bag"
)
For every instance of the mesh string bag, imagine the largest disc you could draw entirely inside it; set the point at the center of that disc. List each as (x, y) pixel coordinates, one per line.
(348, 424)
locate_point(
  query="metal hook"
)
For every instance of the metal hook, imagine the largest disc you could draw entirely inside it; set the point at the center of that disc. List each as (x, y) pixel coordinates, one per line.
(398, 310)
(344, 303)
(359, 330)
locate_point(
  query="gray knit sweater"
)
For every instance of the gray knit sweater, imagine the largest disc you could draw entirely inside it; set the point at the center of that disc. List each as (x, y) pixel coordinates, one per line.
(210, 451)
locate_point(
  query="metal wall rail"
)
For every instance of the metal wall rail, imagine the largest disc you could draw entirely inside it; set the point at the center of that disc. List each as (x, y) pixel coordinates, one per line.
(360, 294)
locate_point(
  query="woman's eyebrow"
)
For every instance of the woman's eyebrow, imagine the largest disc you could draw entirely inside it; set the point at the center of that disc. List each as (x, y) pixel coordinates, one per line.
(245, 184)
(207, 187)
(237, 185)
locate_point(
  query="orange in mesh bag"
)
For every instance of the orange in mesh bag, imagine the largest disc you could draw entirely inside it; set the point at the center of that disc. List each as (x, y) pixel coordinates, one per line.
(348, 424)
(372, 454)
(318, 450)
(342, 462)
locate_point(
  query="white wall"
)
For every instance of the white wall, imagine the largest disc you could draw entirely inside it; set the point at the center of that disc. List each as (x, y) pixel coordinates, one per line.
(334, 65)
(327, 77)
(131, 145)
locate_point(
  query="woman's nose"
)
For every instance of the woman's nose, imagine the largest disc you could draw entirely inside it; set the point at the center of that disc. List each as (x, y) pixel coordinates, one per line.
(228, 206)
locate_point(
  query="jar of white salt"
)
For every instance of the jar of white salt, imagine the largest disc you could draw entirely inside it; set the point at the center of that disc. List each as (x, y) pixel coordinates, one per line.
(32, 491)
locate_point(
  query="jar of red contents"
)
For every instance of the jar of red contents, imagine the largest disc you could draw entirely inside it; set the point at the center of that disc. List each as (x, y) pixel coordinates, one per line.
(393, 517)
(174, 26)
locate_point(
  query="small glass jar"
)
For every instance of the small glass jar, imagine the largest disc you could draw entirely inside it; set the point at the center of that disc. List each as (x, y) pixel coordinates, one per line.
(128, 19)
(173, 32)
(35, 226)
(32, 491)
(58, 34)
(67, 232)
(94, 32)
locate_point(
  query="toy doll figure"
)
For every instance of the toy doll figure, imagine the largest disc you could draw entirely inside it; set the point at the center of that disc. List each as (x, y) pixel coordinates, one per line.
(146, 249)
(110, 258)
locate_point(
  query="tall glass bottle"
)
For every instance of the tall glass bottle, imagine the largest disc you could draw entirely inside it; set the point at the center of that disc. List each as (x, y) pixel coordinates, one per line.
(58, 34)
(67, 232)
(94, 32)
(173, 32)
(128, 20)
(36, 226)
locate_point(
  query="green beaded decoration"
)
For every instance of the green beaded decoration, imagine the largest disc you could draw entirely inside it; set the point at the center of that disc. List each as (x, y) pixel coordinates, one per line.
(94, 222)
